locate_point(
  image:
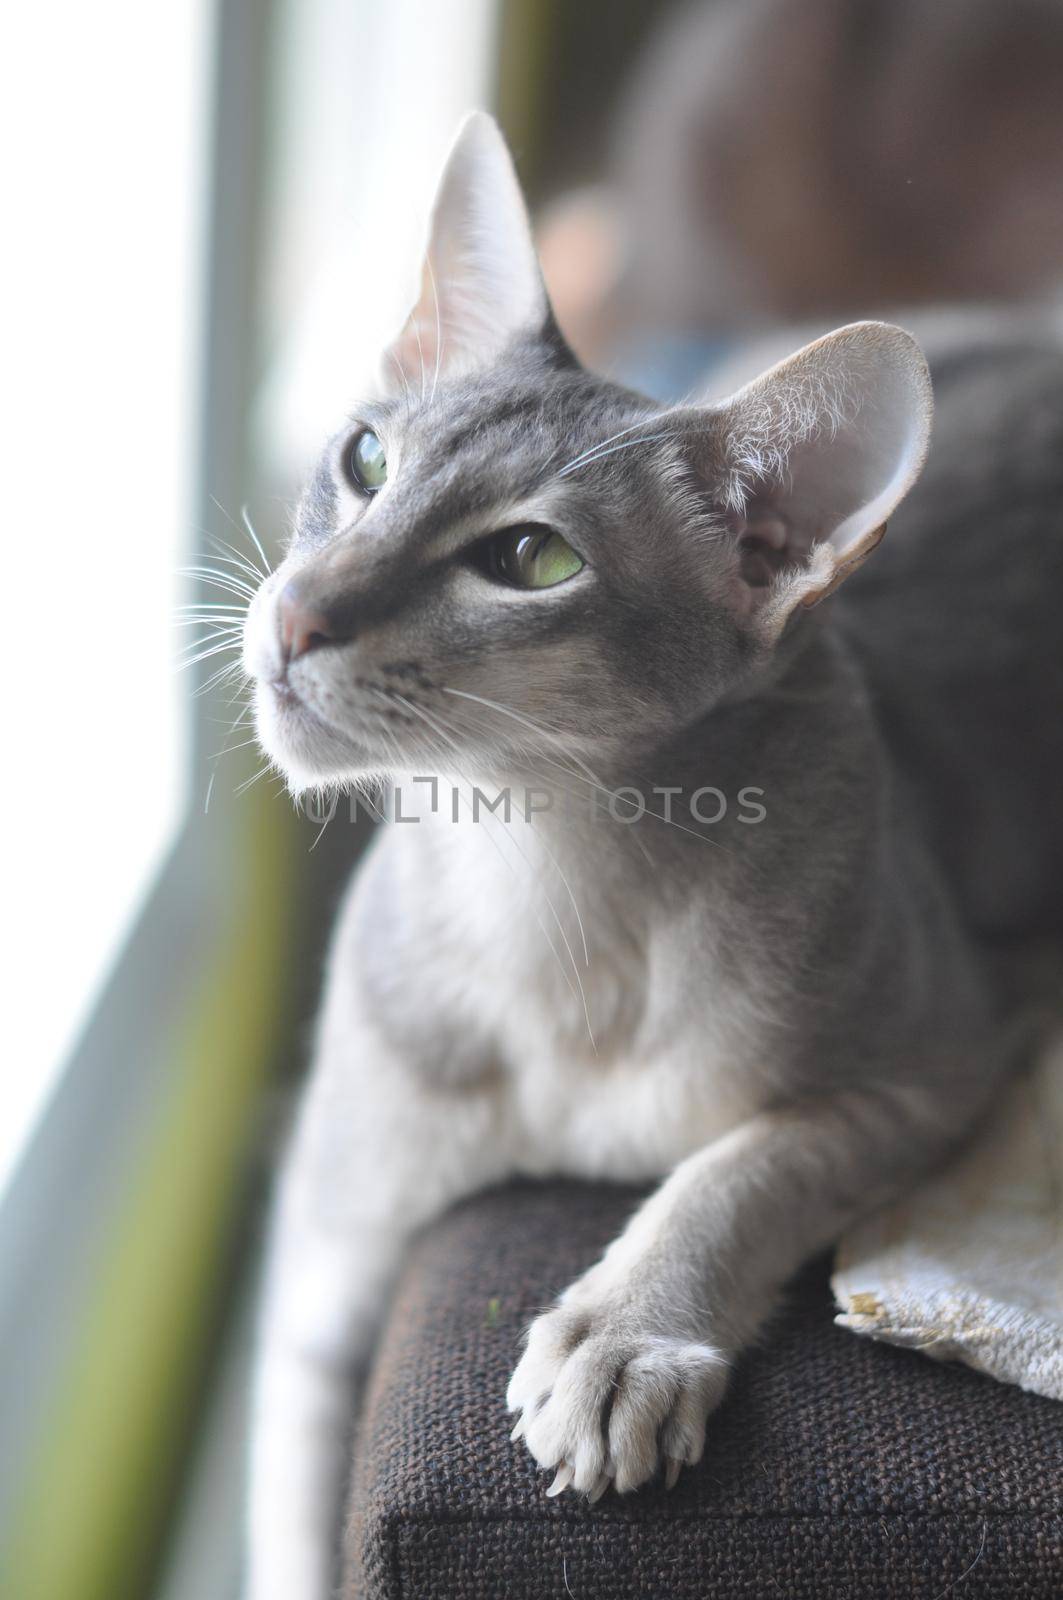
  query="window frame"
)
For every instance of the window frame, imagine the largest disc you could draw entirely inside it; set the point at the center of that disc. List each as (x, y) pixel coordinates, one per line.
(111, 1136)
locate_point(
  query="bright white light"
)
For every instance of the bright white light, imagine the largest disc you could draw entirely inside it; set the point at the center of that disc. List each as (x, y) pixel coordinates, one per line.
(369, 101)
(102, 124)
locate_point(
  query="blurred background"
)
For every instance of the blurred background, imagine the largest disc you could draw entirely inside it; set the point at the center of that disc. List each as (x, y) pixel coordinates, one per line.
(215, 212)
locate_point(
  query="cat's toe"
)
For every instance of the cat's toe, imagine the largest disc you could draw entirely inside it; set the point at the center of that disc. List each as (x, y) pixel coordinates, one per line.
(682, 1436)
(599, 1488)
(550, 1340)
(567, 1427)
(664, 1395)
(599, 1408)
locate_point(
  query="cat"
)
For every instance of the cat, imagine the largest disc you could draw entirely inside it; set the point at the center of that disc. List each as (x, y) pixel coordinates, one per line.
(507, 574)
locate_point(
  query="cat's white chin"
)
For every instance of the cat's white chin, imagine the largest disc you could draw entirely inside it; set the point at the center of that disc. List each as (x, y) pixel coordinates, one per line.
(305, 748)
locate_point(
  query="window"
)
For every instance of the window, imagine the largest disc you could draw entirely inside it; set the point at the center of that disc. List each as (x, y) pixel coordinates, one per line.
(104, 116)
(368, 99)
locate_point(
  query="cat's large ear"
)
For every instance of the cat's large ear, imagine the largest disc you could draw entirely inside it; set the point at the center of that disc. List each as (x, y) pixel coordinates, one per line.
(810, 459)
(480, 281)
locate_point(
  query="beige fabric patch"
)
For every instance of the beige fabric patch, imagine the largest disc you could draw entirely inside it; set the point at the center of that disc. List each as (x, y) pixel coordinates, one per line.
(970, 1266)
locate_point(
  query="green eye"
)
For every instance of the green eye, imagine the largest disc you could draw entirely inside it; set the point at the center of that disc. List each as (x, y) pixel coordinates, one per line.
(530, 558)
(369, 464)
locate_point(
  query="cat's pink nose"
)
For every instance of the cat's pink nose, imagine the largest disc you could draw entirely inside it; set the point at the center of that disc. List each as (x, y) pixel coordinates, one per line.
(303, 627)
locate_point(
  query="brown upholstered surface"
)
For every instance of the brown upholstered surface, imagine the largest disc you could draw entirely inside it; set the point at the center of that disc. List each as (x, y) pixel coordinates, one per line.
(836, 1468)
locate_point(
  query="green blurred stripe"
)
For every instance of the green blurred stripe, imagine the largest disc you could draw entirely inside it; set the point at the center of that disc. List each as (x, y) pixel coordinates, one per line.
(527, 33)
(97, 1494)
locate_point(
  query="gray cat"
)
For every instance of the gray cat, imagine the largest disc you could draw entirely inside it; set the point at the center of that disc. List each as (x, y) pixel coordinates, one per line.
(725, 932)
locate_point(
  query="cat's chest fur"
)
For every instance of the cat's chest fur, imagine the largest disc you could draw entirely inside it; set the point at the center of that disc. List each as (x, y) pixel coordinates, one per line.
(612, 1041)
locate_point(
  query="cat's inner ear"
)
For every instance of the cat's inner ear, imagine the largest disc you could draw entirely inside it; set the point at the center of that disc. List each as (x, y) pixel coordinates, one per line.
(480, 279)
(810, 459)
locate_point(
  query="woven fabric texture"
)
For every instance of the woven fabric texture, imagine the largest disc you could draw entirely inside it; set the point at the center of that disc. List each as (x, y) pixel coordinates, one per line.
(835, 1470)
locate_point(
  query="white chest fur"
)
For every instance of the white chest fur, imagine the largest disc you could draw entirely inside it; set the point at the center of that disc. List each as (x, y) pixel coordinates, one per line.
(621, 1048)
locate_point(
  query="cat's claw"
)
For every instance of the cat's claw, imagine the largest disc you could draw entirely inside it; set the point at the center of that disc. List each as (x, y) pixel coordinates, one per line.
(604, 1405)
(563, 1480)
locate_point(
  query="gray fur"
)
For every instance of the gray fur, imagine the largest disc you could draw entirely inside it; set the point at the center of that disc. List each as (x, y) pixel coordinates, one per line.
(787, 1021)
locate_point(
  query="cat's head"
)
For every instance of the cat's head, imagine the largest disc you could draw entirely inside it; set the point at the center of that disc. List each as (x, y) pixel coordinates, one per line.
(502, 558)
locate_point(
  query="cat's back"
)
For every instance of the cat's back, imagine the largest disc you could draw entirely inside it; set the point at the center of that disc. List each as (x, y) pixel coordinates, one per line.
(958, 623)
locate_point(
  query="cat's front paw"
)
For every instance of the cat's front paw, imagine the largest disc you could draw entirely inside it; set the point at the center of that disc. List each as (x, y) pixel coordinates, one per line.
(604, 1400)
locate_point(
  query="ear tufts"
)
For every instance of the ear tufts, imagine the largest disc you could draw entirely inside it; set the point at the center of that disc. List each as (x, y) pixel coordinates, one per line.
(820, 450)
(819, 393)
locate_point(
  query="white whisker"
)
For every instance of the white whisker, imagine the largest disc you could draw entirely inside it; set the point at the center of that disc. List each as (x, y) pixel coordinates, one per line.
(439, 323)
(593, 781)
(211, 605)
(245, 517)
(230, 748)
(241, 788)
(602, 443)
(235, 559)
(234, 668)
(539, 728)
(599, 455)
(220, 580)
(553, 861)
(204, 655)
(230, 636)
(226, 514)
(405, 384)
(419, 711)
(420, 350)
(235, 623)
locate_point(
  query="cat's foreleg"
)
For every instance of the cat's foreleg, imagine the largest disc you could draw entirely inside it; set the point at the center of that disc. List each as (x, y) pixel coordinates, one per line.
(376, 1154)
(621, 1376)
